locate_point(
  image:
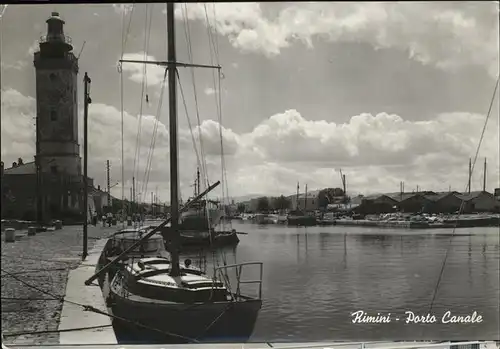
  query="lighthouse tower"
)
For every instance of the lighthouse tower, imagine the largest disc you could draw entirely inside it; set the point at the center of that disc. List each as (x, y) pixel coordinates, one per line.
(58, 151)
(57, 157)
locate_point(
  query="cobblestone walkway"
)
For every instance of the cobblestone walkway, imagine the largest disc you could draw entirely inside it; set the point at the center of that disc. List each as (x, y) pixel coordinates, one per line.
(43, 261)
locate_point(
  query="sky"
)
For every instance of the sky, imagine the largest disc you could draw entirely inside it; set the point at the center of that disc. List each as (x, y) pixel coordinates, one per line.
(386, 92)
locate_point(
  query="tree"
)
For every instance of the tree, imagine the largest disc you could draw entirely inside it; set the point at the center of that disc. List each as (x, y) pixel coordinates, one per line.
(324, 198)
(263, 204)
(327, 196)
(281, 203)
(241, 207)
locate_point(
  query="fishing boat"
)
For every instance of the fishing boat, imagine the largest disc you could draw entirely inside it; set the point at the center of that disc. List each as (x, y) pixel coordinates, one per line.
(262, 218)
(198, 224)
(157, 298)
(298, 217)
(202, 216)
(211, 238)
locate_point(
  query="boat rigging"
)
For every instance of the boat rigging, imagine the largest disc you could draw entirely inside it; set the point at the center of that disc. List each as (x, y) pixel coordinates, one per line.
(152, 291)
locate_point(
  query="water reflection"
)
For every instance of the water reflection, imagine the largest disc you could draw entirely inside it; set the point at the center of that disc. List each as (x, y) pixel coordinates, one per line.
(315, 277)
(309, 293)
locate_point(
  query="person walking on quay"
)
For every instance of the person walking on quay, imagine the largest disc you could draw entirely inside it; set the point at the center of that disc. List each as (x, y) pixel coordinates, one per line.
(109, 218)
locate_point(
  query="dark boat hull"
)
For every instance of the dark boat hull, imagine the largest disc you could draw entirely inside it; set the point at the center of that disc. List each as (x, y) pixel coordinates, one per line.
(110, 273)
(219, 239)
(301, 220)
(183, 323)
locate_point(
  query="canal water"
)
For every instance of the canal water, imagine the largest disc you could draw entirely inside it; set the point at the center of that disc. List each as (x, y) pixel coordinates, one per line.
(315, 277)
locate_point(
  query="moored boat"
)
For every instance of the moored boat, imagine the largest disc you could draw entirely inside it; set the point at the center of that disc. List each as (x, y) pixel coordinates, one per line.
(210, 238)
(198, 224)
(122, 240)
(299, 218)
(183, 308)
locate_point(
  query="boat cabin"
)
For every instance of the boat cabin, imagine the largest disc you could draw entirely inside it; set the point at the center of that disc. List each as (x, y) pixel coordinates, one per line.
(122, 240)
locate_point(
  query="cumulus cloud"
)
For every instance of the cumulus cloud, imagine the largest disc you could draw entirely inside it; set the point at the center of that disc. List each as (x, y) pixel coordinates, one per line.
(209, 91)
(378, 150)
(35, 46)
(136, 71)
(16, 66)
(375, 152)
(448, 35)
(18, 140)
(18, 126)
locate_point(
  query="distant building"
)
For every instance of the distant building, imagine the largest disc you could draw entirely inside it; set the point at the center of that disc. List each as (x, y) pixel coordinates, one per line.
(414, 202)
(374, 204)
(309, 202)
(479, 201)
(251, 205)
(58, 150)
(99, 200)
(447, 202)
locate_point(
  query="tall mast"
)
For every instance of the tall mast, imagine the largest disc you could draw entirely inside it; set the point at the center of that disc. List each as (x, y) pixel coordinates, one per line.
(172, 106)
(173, 232)
(484, 175)
(470, 175)
(134, 198)
(198, 181)
(171, 70)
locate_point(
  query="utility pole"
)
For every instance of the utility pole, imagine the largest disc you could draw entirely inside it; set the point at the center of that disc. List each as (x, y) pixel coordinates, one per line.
(86, 101)
(108, 185)
(484, 175)
(156, 200)
(157, 211)
(305, 200)
(297, 203)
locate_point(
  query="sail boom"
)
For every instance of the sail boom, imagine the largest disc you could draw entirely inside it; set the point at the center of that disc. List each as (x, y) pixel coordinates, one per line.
(167, 63)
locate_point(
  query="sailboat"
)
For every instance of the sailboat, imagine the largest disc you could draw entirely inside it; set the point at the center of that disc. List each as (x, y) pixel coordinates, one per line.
(204, 215)
(198, 224)
(298, 217)
(162, 300)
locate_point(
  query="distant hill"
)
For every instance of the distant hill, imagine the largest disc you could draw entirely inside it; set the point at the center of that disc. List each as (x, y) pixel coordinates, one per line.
(244, 198)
